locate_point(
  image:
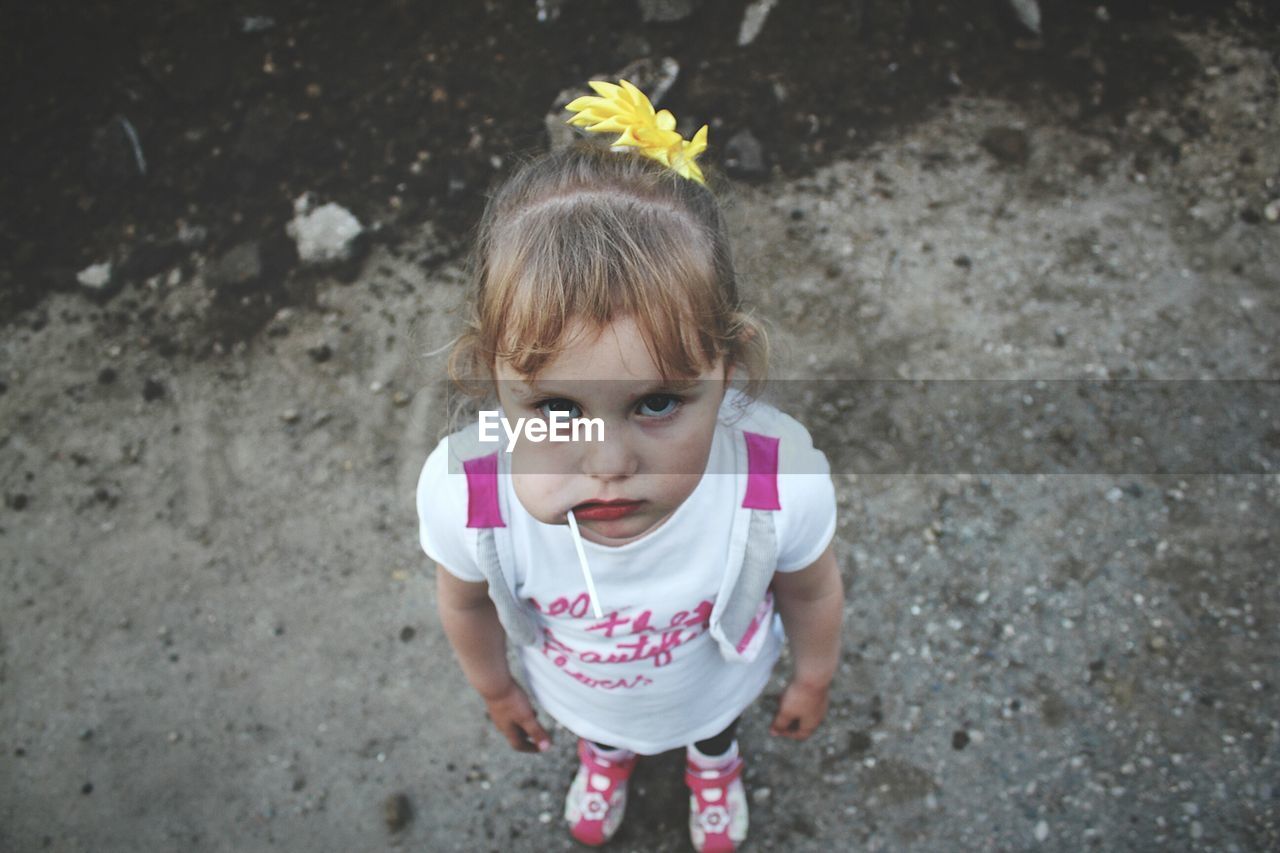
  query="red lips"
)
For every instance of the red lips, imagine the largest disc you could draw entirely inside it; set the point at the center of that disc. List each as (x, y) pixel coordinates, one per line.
(605, 510)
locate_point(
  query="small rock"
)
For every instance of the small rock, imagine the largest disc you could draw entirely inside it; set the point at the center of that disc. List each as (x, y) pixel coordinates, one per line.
(397, 812)
(549, 10)
(299, 782)
(407, 633)
(191, 235)
(959, 739)
(256, 23)
(666, 11)
(1272, 211)
(753, 20)
(1008, 145)
(95, 276)
(1042, 831)
(290, 416)
(106, 375)
(1028, 12)
(327, 234)
(86, 734)
(320, 353)
(1114, 494)
(237, 269)
(744, 154)
(859, 742)
(400, 398)
(152, 390)
(1250, 216)
(963, 262)
(1059, 336)
(760, 796)
(86, 788)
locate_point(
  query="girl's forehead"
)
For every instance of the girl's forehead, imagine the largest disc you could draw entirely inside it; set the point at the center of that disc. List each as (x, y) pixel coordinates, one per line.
(618, 350)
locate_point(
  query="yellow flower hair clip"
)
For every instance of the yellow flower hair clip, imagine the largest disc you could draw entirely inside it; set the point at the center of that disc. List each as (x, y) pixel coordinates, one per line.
(624, 109)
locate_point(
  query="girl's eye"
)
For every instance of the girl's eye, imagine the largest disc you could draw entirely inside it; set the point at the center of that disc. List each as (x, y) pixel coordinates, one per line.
(571, 409)
(658, 405)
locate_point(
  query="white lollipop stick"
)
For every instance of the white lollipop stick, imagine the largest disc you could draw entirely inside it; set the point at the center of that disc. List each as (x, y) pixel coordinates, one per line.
(586, 571)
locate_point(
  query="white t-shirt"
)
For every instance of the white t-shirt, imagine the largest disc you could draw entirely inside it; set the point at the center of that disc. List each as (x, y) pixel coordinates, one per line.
(647, 677)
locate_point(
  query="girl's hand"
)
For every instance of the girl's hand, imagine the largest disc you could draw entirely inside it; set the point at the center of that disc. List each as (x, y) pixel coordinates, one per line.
(513, 715)
(800, 712)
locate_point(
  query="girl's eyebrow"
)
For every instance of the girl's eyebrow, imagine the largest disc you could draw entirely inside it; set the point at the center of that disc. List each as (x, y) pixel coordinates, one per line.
(531, 388)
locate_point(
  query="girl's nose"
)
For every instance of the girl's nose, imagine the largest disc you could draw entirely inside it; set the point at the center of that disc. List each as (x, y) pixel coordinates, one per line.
(611, 459)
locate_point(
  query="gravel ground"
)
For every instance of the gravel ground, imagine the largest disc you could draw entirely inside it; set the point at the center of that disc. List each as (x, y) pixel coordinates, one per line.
(217, 630)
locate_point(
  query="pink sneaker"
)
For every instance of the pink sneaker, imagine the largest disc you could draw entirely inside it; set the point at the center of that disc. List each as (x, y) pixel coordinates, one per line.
(717, 806)
(597, 796)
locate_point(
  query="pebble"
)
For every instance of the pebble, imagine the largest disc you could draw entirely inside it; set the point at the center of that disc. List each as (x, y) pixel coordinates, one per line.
(1272, 210)
(1009, 145)
(290, 416)
(760, 796)
(237, 269)
(400, 398)
(397, 812)
(192, 235)
(1042, 831)
(1115, 494)
(665, 11)
(95, 276)
(753, 19)
(744, 154)
(323, 235)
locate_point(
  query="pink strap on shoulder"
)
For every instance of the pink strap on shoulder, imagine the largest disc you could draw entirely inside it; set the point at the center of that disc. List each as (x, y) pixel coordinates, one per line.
(482, 491)
(762, 472)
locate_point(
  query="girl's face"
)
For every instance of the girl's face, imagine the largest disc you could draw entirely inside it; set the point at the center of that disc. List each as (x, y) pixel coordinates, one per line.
(656, 436)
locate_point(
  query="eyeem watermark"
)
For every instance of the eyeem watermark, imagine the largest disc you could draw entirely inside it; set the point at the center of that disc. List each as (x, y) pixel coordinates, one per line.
(558, 427)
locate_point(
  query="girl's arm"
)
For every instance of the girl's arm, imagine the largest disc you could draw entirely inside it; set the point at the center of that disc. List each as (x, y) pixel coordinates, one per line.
(471, 623)
(811, 603)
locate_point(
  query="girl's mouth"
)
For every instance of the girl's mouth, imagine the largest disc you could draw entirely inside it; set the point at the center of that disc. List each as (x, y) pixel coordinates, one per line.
(605, 510)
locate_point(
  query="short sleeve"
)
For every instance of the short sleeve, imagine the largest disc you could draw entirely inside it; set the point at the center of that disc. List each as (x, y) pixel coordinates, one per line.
(442, 516)
(806, 521)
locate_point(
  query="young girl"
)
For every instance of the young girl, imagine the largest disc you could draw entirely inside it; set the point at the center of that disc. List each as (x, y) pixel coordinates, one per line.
(637, 565)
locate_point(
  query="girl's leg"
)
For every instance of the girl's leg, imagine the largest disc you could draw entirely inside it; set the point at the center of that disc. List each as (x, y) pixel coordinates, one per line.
(718, 744)
(714, 745)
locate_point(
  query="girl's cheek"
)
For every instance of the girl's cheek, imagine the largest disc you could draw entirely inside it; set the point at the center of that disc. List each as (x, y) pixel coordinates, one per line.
(538, 494)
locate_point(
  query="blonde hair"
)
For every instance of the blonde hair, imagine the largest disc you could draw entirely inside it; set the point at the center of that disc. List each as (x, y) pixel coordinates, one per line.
(592, 235)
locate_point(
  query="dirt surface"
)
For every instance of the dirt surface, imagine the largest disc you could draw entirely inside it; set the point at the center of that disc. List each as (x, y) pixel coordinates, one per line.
(217, 629)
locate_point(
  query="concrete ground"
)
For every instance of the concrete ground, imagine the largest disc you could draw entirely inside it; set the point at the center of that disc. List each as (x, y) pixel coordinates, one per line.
(217, 630)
